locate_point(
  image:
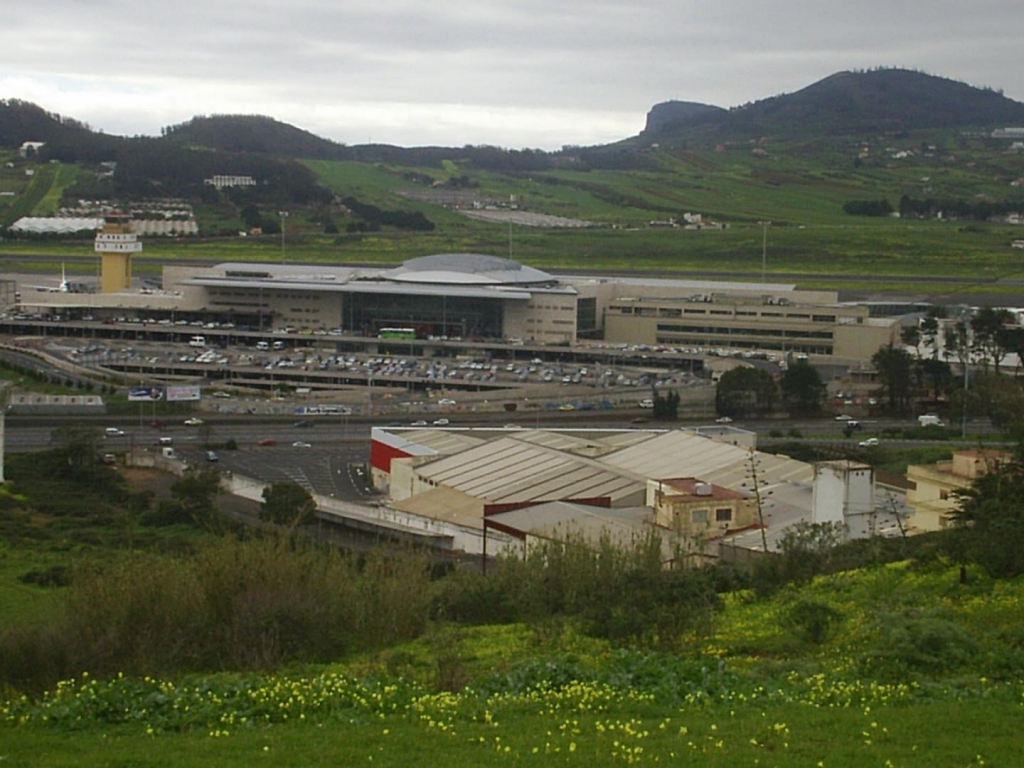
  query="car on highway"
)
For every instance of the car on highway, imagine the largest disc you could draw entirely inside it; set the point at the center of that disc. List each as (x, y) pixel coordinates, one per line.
(266, 441)
(420, 423)
(844, 417)
(212, 456)
(113, 432)
(195, 421)
(868, 443)
(723, 420)
(301, 444)
(303, 423)
(440, 422)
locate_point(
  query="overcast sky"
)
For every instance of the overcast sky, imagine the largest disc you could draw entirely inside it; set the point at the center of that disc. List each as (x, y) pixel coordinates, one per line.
(516, 73)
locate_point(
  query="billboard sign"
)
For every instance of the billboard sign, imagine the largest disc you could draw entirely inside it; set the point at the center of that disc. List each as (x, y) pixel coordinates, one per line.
(183, 392)
(145, 394)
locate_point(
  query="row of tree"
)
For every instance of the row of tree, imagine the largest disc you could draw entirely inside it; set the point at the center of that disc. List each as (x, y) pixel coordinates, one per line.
(747, 391)
(932, 207)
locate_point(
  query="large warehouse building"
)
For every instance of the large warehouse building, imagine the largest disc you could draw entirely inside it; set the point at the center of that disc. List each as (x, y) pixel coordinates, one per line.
(694, 484)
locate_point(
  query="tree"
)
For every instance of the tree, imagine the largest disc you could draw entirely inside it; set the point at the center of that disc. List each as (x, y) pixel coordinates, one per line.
(194, 494)
(990, 327)
(989, 521)
(666, 408)
(896, 370)
(1000, 398)
(938, 374)
(930, 328)
(287, 504)
(77, 446)
(911, 337)
(802, 388)
(746, 391)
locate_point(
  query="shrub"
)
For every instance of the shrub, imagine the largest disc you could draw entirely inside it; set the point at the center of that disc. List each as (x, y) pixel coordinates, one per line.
(811, 621)
(910, 644)
(232, 605)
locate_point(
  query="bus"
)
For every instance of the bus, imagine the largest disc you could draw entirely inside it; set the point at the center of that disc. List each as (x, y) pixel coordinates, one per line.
(396, 333)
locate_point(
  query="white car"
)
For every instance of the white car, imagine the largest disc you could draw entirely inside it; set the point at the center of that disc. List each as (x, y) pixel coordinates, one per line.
(871, 441)
(301, 444)
(723, 420)
(440, 422)
(844, 417)
(113, 432)
(193, 422)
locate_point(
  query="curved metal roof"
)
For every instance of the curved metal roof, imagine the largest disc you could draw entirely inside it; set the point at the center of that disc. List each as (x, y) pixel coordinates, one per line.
(467, 268)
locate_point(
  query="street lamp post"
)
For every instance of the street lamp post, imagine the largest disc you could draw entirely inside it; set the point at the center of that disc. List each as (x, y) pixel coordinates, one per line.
(284, 222)
(764, 248)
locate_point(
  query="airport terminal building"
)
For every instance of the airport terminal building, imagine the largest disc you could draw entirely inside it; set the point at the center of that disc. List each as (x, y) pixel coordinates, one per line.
(476, 297)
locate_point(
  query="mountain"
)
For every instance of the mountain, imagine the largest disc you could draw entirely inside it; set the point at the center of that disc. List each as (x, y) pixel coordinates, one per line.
(876, 101)
(252, 133)
(22, 121)
(676, 114)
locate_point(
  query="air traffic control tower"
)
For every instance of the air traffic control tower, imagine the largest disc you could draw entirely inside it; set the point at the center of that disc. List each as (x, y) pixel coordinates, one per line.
(115, 244)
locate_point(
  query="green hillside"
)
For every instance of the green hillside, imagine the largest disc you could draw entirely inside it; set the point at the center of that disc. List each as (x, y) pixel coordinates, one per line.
(146, 628)
(811, 163)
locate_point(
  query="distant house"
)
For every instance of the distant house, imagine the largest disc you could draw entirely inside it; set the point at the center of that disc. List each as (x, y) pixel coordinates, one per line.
(30, 148)
(220, 181)
(933, 496)
(694, 508)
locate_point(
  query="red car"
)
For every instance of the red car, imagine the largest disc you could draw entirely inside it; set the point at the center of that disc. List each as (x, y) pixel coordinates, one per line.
(267, 441)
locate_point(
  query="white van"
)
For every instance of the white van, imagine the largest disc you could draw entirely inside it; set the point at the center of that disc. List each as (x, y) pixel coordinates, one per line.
(262, 346)
(197, 341)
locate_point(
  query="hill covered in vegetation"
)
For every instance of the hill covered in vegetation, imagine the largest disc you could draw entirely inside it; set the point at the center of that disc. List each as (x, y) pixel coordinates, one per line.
(846, 103)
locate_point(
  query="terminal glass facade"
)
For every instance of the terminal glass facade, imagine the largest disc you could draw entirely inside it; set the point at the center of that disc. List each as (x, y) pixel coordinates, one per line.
(452, 316)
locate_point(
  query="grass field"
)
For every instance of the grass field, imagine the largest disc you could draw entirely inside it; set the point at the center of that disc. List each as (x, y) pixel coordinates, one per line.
(799, 187)
(749, 693)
